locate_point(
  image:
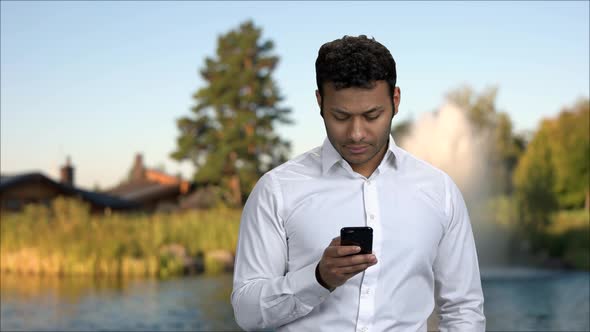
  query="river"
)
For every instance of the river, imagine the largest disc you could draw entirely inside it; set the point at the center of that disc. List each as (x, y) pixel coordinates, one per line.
(516, 300)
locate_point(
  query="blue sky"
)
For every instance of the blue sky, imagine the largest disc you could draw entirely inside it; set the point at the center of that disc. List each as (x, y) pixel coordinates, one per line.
(101, 81)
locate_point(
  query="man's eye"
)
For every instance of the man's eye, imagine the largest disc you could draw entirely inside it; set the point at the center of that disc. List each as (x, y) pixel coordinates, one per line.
(340, 118)
(372, 117)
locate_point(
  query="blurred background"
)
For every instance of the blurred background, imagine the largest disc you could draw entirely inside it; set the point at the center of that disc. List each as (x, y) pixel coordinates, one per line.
(133, 132)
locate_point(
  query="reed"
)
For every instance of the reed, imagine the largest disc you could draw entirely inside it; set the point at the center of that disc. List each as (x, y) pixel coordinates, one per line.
(66, 239)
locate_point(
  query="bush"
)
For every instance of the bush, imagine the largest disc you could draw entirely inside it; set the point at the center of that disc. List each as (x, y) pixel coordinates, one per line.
(65, 238)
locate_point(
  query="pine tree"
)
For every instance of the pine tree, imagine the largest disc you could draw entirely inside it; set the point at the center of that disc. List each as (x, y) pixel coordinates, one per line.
(230, 136)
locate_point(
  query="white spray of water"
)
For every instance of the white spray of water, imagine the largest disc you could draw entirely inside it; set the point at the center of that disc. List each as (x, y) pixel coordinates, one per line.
(447, 140)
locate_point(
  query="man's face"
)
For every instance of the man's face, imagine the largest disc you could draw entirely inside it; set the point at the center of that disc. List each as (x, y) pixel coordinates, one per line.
(358, 122)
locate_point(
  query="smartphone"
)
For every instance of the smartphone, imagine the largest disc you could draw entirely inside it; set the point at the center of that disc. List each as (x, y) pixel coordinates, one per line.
(359, 236)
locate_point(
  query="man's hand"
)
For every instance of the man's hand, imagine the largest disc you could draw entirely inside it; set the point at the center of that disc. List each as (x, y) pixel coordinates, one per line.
(338, 264)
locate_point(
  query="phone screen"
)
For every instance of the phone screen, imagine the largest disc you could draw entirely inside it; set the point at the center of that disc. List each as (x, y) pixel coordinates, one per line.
(359, 236)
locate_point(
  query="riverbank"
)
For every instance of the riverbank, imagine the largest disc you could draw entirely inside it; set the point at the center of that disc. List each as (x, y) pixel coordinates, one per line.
(65, 239)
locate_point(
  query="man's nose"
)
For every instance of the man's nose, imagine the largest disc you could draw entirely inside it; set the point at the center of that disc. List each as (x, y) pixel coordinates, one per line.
(356, 132)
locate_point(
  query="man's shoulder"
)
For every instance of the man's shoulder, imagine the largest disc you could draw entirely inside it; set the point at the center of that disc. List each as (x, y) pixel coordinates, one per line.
(427, 181)
(425, 177)
(306, 164)
(419, 167)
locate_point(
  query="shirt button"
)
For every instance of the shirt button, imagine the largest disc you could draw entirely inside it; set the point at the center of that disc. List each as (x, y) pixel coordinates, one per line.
(368, 182)
(372, 216)
(363, 329)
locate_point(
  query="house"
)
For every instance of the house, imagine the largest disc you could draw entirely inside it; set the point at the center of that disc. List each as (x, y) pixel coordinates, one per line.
(152, 189)
(17, 190)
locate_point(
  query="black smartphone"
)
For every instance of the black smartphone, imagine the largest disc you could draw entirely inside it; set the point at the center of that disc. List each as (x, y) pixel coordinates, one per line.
(358, 236)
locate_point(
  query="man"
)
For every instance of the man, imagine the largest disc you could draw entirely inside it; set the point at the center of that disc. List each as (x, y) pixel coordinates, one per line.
(291, 272)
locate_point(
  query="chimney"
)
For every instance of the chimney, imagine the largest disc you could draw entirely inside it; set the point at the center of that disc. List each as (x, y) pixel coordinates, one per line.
(67, 173)
(138, 171)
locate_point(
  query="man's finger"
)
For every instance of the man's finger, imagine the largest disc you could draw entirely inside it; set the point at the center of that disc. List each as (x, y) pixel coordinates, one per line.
(354, 260)
(354, 268)
(335, 241)
(341, 251)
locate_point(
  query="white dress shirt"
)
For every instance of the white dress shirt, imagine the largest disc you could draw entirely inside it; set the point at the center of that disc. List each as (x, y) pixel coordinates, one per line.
(422, 238)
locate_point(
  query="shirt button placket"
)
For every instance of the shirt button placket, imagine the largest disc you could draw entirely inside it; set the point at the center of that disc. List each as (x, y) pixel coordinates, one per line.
(366, 303)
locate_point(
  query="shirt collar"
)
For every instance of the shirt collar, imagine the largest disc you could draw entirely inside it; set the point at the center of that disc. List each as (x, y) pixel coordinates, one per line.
(330, 156)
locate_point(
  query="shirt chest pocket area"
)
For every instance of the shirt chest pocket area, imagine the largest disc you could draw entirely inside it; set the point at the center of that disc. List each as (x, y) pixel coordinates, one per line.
(412, 228)
(313, 224)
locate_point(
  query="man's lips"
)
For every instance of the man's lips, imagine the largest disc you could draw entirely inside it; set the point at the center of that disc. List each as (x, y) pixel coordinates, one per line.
(357, 149)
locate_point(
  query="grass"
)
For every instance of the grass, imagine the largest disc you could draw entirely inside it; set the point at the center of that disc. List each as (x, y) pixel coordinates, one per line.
(66, 239)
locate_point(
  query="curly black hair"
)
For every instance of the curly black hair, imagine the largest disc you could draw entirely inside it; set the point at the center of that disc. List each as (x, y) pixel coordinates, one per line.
(354, 62)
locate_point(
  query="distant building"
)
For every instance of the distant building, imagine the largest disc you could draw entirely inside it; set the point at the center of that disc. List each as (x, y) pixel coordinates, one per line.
(17, 190)
(152, 189)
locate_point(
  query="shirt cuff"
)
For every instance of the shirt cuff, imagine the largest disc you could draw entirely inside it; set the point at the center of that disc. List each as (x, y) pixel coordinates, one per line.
(306, 288)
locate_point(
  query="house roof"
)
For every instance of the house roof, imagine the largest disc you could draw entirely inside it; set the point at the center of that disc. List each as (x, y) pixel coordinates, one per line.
(99, 199)
(149, 184)
(145, 190)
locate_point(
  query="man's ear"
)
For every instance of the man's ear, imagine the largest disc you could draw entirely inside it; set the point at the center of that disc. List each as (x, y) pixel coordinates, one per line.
(397, 96)
(318, 98)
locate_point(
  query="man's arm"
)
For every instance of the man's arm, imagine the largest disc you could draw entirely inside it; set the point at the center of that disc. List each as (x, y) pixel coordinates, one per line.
(456, 270)
(265, 295)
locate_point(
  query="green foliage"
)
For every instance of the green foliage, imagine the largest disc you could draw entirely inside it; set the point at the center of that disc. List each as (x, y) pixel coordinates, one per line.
(65, 239)
(554, 171)
(231, 129)
(552, 181)
(481, 108)
(534, 180)
(565, 220)
(568, 238)
(570, 146)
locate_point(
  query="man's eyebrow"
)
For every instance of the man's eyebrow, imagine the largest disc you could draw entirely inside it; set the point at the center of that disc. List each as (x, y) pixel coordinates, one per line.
(372, 110)
(375, 109)
(339, 111)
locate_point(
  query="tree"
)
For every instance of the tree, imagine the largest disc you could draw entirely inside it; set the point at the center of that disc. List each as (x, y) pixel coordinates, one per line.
(230, 137)
(554, 172)
(481, 109)
(570, 144)
(534, 179)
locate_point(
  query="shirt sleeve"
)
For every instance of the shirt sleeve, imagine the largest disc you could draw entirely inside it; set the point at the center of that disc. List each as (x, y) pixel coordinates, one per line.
(457, 280)
(265, 294)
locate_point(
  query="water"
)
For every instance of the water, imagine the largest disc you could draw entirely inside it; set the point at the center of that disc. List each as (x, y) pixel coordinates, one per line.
(537, 300)
(516, 300)
(86, 304)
